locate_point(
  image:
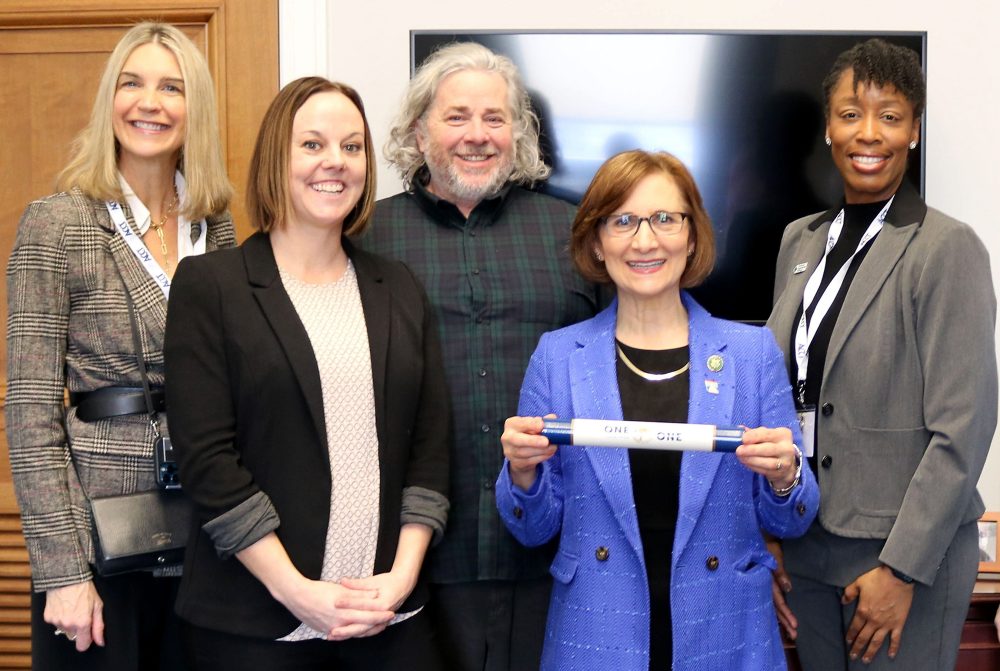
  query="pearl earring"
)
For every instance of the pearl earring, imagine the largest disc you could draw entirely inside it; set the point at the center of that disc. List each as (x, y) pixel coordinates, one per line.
(828, 141)
(913, 145)
(598, 255)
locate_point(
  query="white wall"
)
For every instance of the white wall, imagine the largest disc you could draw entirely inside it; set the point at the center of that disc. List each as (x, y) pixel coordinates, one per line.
(367, 45)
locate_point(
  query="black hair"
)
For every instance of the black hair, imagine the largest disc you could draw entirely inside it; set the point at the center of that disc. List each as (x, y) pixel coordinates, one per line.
(880, 63)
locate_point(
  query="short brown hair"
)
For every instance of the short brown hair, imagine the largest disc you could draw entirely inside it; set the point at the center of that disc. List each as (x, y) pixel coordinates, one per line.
(611, 186)
(268, 199)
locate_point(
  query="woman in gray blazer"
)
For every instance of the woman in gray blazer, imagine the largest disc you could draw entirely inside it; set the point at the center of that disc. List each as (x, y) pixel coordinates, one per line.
(886, 311)
(145, 187)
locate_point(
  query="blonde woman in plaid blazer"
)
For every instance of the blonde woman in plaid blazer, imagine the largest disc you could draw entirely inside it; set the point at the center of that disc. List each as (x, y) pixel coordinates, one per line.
(152, 147)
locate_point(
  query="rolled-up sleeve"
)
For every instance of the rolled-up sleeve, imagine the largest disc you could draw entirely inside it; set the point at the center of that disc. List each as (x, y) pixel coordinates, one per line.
(427, 507)
(203, 416)
(427, 473)
(242, 526)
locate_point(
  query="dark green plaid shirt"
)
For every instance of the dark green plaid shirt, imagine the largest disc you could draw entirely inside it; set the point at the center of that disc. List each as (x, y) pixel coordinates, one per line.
(497, 281)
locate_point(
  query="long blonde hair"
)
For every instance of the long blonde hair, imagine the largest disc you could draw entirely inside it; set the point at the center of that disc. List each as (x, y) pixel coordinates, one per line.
(93, 167)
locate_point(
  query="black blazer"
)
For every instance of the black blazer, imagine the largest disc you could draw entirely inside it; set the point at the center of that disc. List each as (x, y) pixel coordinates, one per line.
(246, 416)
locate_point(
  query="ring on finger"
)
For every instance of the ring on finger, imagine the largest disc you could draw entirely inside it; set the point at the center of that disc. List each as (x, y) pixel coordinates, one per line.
(778, 465)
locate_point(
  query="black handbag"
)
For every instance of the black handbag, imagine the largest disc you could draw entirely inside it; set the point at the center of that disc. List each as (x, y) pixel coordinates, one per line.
(144, 531)
(140, 532)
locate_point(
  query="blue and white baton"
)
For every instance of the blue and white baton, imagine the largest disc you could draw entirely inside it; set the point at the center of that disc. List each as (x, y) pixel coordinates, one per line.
(645, 435)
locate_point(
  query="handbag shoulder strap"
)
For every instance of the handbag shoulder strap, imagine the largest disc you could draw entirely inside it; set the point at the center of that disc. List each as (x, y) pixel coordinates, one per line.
(137, 343)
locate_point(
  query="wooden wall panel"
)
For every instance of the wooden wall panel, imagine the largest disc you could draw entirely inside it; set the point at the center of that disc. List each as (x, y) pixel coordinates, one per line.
(51, 56)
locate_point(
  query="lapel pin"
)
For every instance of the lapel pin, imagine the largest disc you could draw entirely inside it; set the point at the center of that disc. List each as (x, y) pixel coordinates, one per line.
(712, 386)
(801, 268)
(715, 363)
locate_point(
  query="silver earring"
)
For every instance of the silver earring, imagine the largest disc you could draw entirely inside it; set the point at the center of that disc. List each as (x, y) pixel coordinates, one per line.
(598, 255)
(913, 145)
(828, 141)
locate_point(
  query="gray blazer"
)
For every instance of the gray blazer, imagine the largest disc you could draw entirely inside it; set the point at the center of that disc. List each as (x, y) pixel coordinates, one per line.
(68, 326)
(908, 403)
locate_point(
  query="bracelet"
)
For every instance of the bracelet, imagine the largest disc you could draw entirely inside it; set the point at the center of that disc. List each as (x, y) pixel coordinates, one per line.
(785, 491)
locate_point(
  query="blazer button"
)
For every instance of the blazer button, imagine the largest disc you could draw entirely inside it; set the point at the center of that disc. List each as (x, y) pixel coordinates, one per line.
(827, 460)
(827, 409)
(712, 563)
(801, 509)
(518, 512)
(602, 553)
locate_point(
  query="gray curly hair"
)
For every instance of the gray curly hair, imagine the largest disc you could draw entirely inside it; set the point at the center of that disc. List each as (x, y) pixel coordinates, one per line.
(401, 148)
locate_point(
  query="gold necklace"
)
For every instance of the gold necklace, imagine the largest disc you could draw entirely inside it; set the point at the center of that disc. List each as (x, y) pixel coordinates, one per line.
(652, 377)
(159, 230)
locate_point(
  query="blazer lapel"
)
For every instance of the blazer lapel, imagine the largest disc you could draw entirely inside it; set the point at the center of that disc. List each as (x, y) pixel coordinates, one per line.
(807, 256)
(262, 274)
(150, 303)
(901, 223)
(376, 302)
(595, 395)
(711, 396)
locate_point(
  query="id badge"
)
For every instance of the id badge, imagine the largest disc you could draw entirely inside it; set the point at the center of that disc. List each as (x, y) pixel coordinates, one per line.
(807, 423)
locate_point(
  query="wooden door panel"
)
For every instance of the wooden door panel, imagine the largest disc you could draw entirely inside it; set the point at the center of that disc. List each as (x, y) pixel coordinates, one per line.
(51, 56)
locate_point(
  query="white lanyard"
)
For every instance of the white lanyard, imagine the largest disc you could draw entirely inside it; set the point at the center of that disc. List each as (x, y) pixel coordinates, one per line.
(806, 330)
(185, 245)
(138, 248)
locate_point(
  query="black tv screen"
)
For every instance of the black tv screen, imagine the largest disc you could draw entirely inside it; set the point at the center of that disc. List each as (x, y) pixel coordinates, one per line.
(744, 111)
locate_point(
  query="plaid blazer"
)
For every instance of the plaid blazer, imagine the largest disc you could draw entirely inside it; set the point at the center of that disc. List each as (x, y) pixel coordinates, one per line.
(68, 326)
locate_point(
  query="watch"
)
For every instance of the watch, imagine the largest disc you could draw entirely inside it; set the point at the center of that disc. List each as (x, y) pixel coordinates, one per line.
(902, 576)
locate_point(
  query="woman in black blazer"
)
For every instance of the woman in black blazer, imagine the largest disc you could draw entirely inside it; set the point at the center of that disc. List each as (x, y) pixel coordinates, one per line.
(308, 417)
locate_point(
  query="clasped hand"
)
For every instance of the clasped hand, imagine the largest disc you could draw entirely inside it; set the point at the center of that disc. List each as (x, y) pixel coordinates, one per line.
(353, 608)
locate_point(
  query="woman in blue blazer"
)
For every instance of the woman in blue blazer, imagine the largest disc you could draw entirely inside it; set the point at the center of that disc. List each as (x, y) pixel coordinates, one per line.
(661, 561)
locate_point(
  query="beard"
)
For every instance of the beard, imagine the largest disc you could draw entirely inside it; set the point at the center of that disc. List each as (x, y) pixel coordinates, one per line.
(468, 185)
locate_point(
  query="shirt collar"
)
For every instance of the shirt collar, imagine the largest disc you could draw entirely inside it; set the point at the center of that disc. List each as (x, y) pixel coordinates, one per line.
(140, 213)
(190, 235)
(485, 213)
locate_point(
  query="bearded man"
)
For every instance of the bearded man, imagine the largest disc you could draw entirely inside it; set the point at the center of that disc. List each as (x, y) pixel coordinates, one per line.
(493, 258)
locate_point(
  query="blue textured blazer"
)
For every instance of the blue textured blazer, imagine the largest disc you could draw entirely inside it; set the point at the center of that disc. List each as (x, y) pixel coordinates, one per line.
(720, 591)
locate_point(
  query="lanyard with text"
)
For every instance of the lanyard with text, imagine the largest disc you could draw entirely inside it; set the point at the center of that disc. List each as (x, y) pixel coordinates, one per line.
(138, 248)
(806, 330)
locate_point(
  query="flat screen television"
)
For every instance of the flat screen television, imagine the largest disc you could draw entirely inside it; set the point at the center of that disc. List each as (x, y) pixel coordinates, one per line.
(743, 110)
